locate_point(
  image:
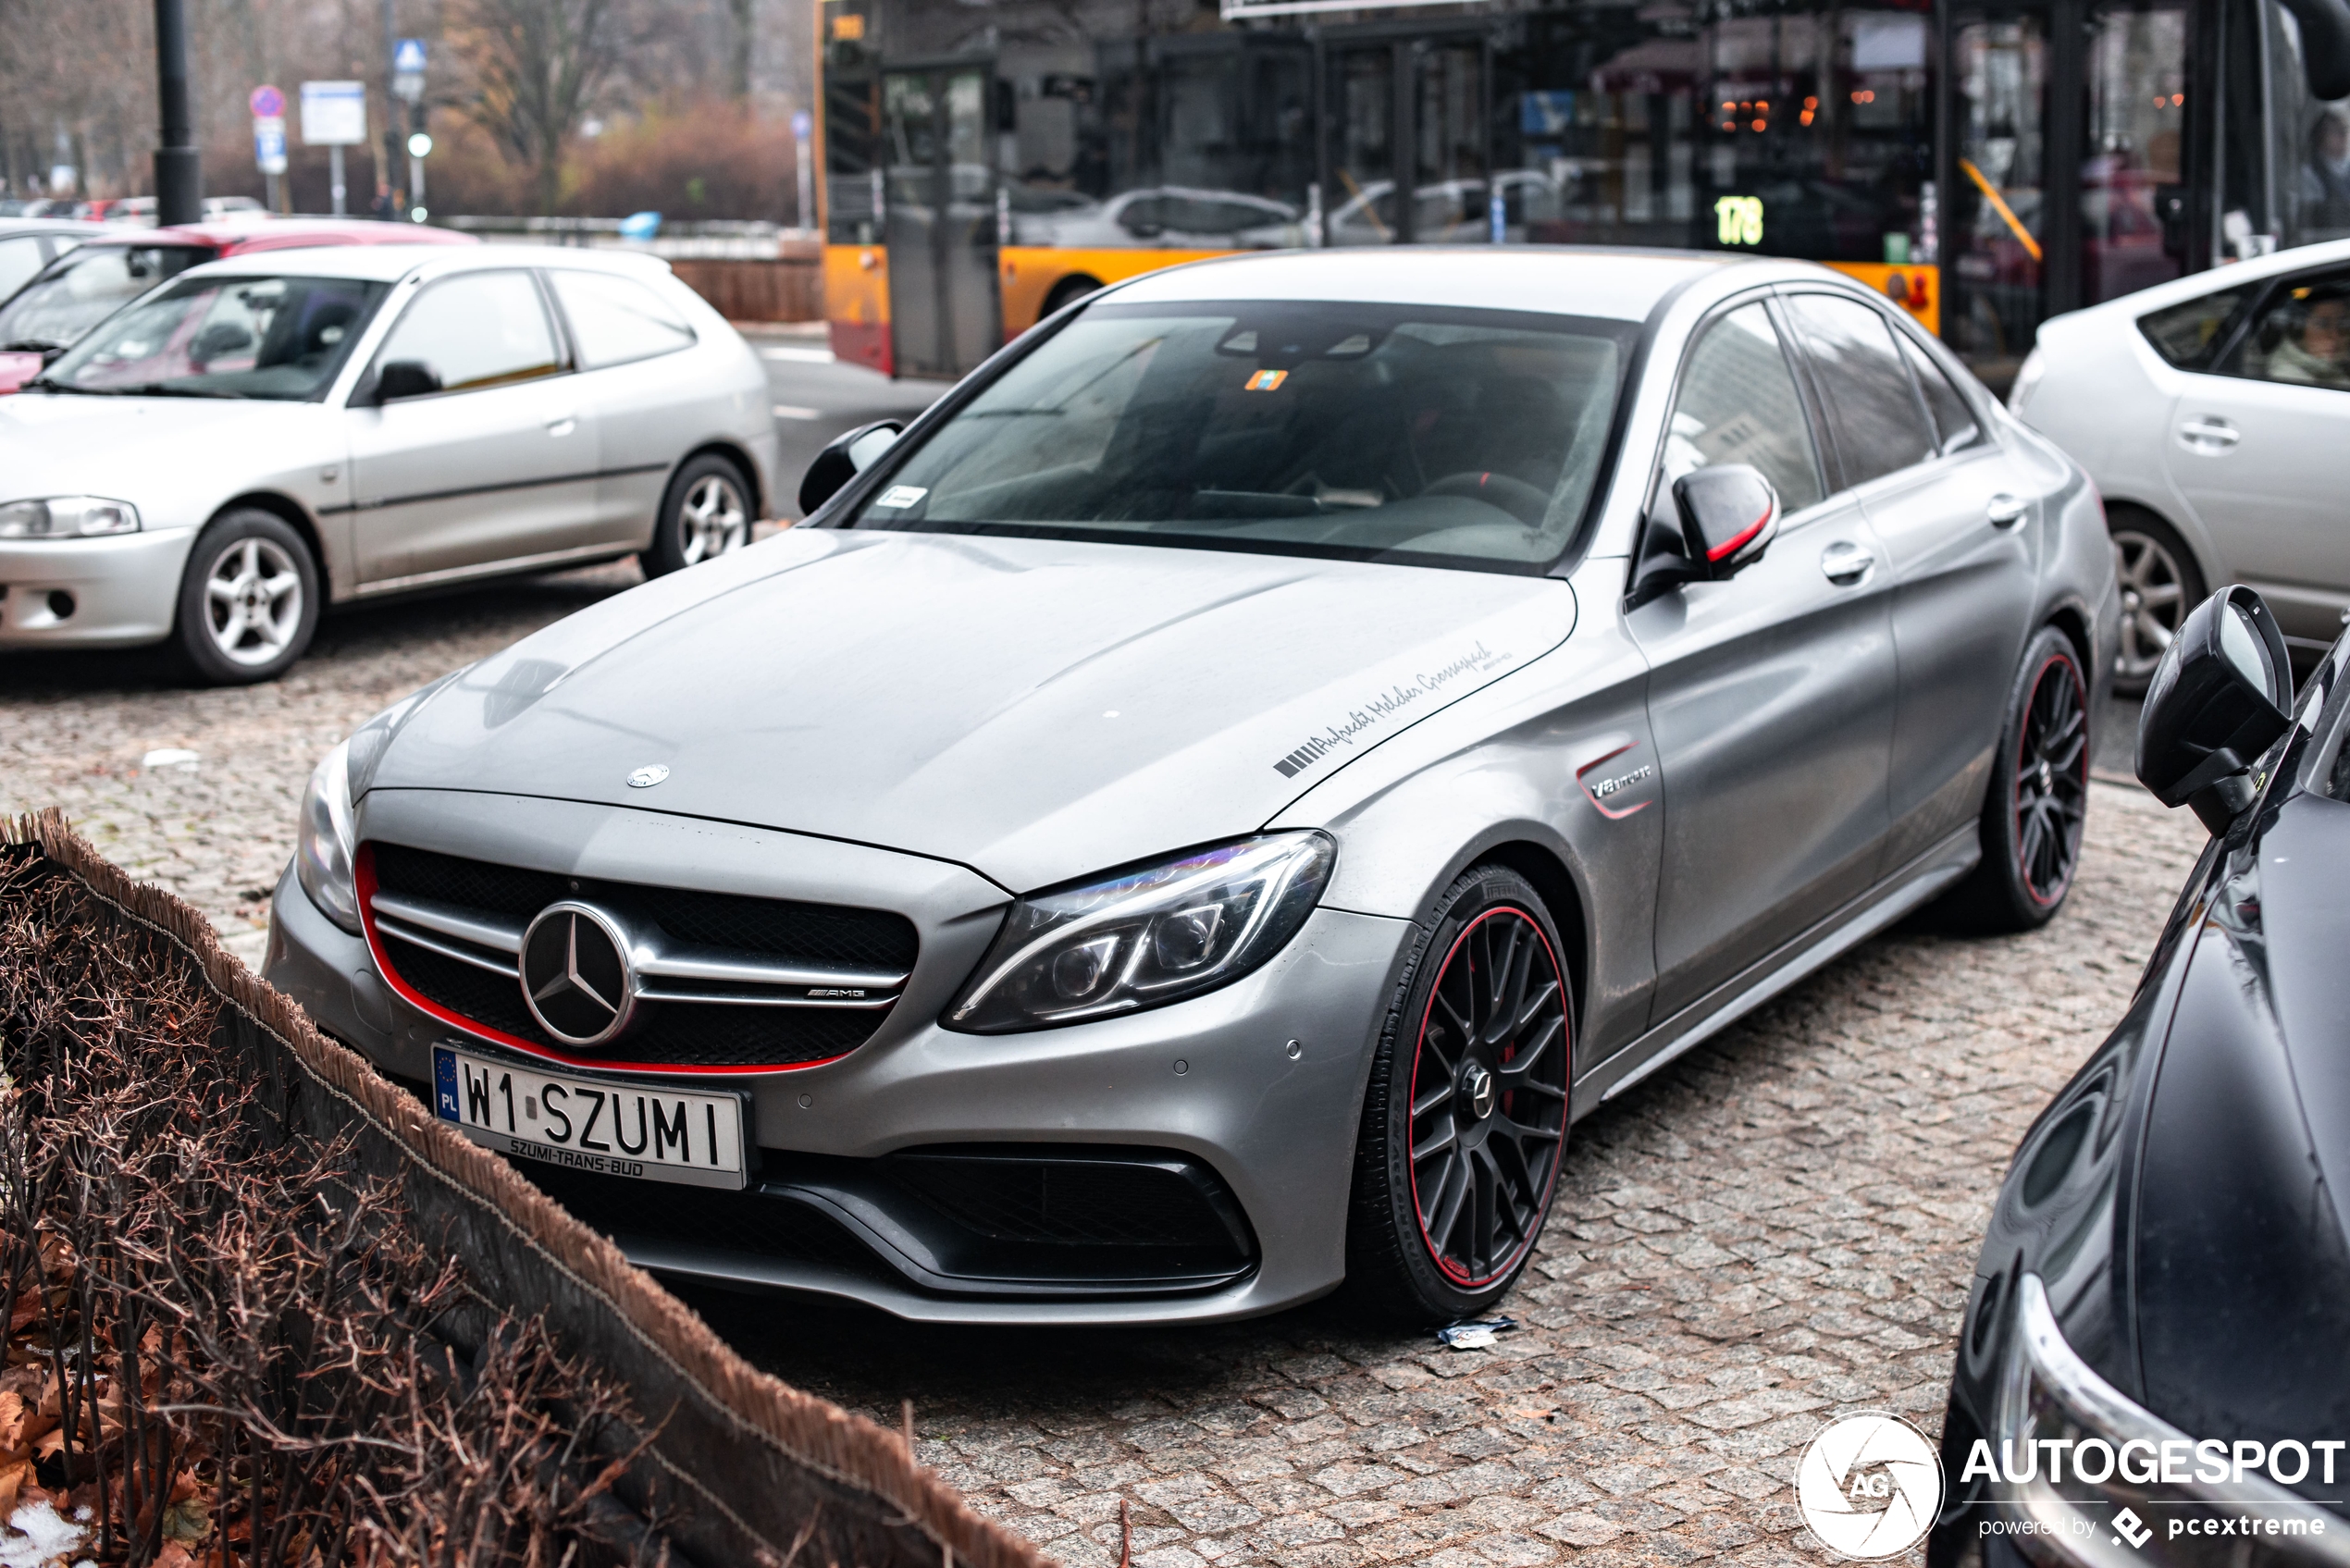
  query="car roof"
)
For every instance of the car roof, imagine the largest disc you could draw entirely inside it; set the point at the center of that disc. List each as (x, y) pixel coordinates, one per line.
(281, 233)
(10, 226)
(2258, 269)
(1623, 285)
(390, 262)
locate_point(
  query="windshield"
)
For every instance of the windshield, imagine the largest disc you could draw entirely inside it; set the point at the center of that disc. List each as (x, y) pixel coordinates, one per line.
(232, 337)
(84, 288)
(1363, 432)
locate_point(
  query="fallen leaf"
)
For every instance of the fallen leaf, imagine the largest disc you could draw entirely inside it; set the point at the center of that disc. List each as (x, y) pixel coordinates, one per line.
(173, 1555)
(189, 1521)
(12, 1480)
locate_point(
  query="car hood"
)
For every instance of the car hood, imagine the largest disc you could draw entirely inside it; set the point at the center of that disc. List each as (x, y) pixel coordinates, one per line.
(167, 456)
(1037, 709)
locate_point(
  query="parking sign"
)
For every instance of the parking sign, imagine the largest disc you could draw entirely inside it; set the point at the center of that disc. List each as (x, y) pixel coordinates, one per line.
(334, 113)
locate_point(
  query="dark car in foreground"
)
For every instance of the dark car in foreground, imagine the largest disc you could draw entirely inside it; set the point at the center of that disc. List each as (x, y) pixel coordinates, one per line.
(2151, 1369)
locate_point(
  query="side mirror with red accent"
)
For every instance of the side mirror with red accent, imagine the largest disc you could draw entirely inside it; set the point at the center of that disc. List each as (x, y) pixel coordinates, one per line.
(1729, 515)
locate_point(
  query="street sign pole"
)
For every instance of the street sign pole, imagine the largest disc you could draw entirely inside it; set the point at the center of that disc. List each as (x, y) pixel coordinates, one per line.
(268, 107)
(408, 87)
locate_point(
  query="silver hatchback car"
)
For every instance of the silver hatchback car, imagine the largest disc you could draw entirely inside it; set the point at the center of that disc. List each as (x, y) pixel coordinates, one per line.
(1196, 818)
(216, 461)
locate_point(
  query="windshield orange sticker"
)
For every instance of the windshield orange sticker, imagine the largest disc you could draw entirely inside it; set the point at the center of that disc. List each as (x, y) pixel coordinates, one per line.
(1267, 380)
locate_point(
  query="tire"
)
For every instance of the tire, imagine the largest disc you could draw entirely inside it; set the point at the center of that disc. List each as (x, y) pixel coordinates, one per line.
(2159, 584)
(249, 599)
(2037, 802)
(1446, 1235)
(1076, 286)
(706, 512)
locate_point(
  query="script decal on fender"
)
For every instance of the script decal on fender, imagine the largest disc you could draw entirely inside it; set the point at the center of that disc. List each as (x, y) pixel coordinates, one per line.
(1383, 708)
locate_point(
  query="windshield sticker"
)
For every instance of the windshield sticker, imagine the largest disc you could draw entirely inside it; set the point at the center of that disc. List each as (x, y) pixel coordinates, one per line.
(899, 496)
(1268, 380)
(1384, 708)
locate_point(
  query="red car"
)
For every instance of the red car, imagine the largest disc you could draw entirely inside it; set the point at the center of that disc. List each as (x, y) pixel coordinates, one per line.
(83, 287)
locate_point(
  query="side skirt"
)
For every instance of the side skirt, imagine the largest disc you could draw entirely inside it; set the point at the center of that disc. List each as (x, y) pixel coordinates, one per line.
(1919, 882)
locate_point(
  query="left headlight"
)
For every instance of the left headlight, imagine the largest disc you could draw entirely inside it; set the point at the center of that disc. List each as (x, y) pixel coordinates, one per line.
(324, 851)
(1144, 938)
(67, 517)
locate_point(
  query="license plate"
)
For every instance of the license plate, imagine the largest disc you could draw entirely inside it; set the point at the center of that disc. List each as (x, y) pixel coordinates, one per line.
(634, 1129)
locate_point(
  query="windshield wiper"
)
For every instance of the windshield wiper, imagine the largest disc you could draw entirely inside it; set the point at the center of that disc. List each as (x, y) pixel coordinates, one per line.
(28, 346)
(158, 389)
(43, 384)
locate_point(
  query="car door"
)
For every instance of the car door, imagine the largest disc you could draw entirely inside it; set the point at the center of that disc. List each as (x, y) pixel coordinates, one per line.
(498, 463)
(635, 374)
(1955, 519)
(1771, 694)
(2256, 450)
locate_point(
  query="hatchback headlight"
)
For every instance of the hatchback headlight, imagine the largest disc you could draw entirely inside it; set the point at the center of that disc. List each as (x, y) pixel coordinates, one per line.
(67, 517)
(1144, 938)
(324, 851)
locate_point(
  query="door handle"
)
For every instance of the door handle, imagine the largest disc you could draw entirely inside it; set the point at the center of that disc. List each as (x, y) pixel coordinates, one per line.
(1847, 564)
(2006, 511)
(562, 424)
(2209, 433)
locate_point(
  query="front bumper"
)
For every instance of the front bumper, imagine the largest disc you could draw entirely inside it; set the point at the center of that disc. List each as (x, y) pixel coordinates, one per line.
(115, 592)
(1259, 1082)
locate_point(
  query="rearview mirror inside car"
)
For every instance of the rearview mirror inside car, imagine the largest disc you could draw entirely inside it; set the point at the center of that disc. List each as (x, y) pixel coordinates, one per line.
(848, 456)
(1727, 514)
(404, 378)
(2221, 696)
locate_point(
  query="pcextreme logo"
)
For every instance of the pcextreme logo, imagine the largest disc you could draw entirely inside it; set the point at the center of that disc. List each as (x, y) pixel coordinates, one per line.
(1870, 1484)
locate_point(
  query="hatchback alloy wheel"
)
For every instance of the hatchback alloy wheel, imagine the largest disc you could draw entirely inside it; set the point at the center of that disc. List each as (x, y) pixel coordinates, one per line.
(1488, 1098)
(2052, 780)
(253, 602)
(2154, 600)
(713, 520)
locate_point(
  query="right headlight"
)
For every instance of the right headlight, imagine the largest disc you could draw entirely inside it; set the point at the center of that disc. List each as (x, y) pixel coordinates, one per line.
(323, 848)
(67, 517)
(1144, 938)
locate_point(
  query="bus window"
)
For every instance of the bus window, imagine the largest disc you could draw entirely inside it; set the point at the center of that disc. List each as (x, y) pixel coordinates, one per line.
(1997, 228)
(2137, 67)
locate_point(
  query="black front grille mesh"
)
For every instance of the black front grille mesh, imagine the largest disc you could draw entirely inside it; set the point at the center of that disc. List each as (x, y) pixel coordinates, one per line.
(1068, 1203)
(672, 1033)
(734, 1222)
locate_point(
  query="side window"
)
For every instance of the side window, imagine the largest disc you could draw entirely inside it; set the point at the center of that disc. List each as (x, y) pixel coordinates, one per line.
(475, 330)
(614, 320)
(2187, 336)
(2302, 334)
(1874, 413)
(1953, 417)
(19, 259)
(1737, 403)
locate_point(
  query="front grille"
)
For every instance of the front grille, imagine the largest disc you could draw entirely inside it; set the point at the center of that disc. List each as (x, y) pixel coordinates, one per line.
(708, 1030)
(746, 1222)
(1058, 1199)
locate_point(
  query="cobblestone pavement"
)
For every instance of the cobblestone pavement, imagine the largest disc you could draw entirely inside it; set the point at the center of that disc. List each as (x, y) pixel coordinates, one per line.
(1774, 1229)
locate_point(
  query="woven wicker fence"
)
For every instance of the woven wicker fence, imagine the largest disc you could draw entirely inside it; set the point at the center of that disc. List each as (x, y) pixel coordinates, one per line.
(731, 1465)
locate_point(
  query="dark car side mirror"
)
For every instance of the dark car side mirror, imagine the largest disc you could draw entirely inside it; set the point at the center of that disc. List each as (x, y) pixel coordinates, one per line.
(848, 456)
(404, 378)
(1728, 515)
(2221, 696)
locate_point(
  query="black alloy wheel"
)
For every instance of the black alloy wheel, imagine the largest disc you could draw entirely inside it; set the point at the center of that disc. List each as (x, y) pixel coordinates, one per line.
(2052, 779)
(2037, 802)
(1465, 1123)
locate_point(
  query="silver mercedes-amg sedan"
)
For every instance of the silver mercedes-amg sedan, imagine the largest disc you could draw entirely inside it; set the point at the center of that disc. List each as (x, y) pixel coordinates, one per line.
(1195, 818)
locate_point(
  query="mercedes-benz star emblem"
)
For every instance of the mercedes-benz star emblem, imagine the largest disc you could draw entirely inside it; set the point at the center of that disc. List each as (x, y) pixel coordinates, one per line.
(576, 977)
(1480, 1091)
(648, 775)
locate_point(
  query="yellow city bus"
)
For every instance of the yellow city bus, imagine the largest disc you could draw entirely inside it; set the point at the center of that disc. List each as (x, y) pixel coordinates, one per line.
(1987, 162)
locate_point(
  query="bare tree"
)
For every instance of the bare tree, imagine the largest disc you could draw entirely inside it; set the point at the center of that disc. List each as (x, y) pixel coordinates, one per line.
(537, 67)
